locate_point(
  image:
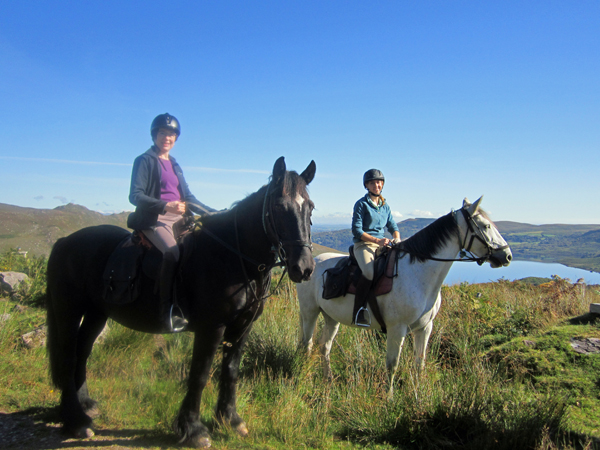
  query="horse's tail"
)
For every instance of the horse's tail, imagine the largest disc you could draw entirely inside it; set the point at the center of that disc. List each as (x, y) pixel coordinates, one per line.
(53, 348)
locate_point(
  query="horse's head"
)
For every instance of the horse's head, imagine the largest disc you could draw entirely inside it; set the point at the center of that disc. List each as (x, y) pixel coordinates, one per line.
(287, 212)
(482, 238)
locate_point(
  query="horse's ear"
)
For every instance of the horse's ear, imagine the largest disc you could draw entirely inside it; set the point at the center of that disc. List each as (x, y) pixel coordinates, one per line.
(309, 172)
(279, 170)
(472, 208)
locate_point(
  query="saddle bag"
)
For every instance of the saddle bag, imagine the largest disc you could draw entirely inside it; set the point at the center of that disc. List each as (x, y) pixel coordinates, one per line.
(121, 274)
(336, 280)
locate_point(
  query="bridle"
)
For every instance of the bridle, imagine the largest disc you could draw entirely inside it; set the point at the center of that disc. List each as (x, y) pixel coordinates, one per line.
(268, 221)
(476, 233)
(466, 255)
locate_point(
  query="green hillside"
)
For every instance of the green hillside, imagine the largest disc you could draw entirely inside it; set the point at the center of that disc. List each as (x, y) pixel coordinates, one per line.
(36, 230)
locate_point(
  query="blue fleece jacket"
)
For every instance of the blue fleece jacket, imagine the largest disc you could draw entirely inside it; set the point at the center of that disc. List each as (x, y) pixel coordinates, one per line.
(371, 219)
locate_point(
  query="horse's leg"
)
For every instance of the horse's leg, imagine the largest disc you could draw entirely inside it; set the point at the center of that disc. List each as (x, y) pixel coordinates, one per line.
(75, 420)
(395, 341)
(187, 425)
(309, 313)
(91, 327)
(226, 404)
(330, 329)
(421, 338)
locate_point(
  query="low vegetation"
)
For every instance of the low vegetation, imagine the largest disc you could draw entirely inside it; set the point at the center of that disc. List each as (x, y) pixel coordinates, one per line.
(501, 373)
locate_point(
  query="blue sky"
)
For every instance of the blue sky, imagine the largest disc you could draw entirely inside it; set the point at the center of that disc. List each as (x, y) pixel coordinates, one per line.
(450, 99)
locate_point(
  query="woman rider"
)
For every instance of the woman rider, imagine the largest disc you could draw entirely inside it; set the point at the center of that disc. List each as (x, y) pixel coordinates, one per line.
(371, 216)
(162, 197)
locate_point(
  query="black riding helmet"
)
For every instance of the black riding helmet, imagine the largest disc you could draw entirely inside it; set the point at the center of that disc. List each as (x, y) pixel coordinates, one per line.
(372, 174)
(167, 121)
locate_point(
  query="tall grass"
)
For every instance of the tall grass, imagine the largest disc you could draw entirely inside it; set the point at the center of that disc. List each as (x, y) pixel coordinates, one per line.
(485, 385)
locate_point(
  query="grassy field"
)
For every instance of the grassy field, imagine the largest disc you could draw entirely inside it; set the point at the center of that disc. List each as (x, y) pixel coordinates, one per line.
(501, 373)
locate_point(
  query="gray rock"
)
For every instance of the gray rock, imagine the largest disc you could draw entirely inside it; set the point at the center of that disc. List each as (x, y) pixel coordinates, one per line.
(35, 338)
(9, 281)
(586, 345)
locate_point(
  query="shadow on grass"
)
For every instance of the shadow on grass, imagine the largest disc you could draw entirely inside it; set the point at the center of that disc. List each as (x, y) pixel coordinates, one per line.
(585, 319)
(39, 429)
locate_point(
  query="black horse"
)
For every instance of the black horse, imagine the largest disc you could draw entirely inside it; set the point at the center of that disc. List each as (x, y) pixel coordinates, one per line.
(225, 281)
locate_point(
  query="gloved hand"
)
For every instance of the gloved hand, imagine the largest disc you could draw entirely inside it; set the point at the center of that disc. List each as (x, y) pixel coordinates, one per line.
(396, 241)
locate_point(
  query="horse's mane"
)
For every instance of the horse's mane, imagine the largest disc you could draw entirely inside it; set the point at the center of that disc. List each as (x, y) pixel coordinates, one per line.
(424, 244)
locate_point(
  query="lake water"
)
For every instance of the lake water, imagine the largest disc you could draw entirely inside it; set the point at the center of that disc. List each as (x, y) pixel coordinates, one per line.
(472, 273)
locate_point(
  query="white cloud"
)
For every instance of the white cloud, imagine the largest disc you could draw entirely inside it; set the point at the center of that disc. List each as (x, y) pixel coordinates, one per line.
(419, 213)
(333, 219)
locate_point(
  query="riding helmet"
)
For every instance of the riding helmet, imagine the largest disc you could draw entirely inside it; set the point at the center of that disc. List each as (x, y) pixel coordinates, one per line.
(167, 121)
(372, 174)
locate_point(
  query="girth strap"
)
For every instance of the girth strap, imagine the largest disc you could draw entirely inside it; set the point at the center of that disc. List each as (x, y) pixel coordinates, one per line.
(374, 304)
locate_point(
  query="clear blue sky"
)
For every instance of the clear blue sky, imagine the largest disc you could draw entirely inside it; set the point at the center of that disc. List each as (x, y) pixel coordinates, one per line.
(448, 98)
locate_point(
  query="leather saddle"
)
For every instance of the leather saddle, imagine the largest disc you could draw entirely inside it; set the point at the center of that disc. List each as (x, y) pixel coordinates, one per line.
(341, 279)
(136, 255)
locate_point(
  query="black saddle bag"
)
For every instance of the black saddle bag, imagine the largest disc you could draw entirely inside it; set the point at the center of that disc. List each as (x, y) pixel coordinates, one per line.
(336, 280)
(121, 274)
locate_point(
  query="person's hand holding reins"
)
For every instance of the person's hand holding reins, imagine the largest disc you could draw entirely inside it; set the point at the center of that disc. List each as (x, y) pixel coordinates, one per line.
(175, 207)
(383, 242)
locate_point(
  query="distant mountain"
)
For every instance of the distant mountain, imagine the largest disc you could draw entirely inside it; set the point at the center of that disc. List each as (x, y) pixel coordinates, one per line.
(36, 230)
(571, 245)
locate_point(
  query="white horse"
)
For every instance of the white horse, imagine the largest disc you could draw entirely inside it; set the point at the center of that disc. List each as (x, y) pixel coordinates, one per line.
(415, 297)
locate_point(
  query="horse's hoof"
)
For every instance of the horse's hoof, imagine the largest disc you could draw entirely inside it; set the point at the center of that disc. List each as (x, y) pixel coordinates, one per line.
(242, 429)
(83, 433)
(198, 442)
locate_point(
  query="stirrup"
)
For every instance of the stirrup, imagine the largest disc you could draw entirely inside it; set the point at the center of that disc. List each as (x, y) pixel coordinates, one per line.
(182, 321)
(366, 317)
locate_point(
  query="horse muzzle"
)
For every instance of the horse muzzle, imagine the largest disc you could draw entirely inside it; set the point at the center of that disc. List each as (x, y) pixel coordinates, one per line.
(302, 269)
(500, 258)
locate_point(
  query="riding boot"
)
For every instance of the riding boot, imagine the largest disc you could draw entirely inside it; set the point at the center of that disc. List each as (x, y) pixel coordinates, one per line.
(171, 314)
(360, 315)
